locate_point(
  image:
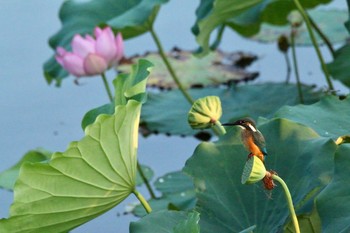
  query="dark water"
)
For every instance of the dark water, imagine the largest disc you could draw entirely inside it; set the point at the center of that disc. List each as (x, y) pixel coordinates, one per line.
(34, 114)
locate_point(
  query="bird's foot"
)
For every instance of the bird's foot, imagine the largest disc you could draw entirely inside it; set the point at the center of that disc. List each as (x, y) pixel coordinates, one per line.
(268, 181)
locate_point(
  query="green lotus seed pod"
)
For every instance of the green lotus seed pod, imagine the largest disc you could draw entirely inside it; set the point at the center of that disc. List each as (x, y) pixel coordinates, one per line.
(254, 171)
(205, 112)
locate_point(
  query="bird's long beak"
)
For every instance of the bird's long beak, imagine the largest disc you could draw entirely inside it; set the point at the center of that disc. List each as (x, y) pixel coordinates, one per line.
(230, 124)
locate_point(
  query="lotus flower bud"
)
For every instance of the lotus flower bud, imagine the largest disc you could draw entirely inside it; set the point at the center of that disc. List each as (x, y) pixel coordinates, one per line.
(205, 112)
(295, 19)
(254, 171)
(92, 55)
(283, 44)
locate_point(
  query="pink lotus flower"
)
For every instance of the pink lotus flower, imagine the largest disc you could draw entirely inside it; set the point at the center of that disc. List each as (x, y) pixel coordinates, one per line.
(92, 56)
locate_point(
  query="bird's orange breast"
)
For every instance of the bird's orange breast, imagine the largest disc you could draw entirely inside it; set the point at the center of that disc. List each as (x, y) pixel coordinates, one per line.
(253, 148)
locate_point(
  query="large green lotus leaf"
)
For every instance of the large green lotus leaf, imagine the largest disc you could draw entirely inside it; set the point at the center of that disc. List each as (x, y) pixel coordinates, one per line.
(333, 203)
(331, 23)
(216, 68)
(9, 176)
(129, 86)
(189, 225)
(131, 17)
(167, 222)
(166, 112)
(216, 13)
(92, 176)
(330, 117)
(177, 193)
(339, 67)
(299, 155)
(245, 17)
(91, 115)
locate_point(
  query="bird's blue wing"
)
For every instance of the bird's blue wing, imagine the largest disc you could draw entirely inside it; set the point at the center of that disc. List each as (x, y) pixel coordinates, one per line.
(259, 140)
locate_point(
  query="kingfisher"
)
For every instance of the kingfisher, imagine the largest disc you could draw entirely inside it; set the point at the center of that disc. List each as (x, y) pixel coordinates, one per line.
(252, 138)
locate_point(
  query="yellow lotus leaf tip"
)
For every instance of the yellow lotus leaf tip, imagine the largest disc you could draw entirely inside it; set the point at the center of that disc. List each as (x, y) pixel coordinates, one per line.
(254, 170)
(205, 112)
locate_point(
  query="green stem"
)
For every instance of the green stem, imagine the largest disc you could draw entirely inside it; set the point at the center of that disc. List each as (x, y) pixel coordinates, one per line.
(289, 200)
(143, 201)
(218, 128)
(145, 180)
(296, 69)
(218, 37)
(323, 36)
(105, 82)
(314, 42)
(169, 67)
(288, 67)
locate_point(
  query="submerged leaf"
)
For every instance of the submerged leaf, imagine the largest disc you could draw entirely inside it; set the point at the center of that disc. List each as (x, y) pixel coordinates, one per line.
(216, 68)
(296, 153)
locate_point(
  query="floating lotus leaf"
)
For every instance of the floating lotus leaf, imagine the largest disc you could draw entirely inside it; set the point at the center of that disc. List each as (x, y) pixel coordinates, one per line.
(167, 222)
(301, 157)
(331, 23)
(330, 117)
(217, 68)
(177, 193)
(131, 17)
(166, 112)
(9, 176)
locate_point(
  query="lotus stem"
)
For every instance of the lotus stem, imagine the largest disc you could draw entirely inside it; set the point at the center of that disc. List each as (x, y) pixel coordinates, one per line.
(288, 67)
(169, 67)
(143, 201)
(218, 128)
(323, 36)
(289, 201)
(314, 42)
(145, 180)
(108, 89)
(218, 37)
(296, 69)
